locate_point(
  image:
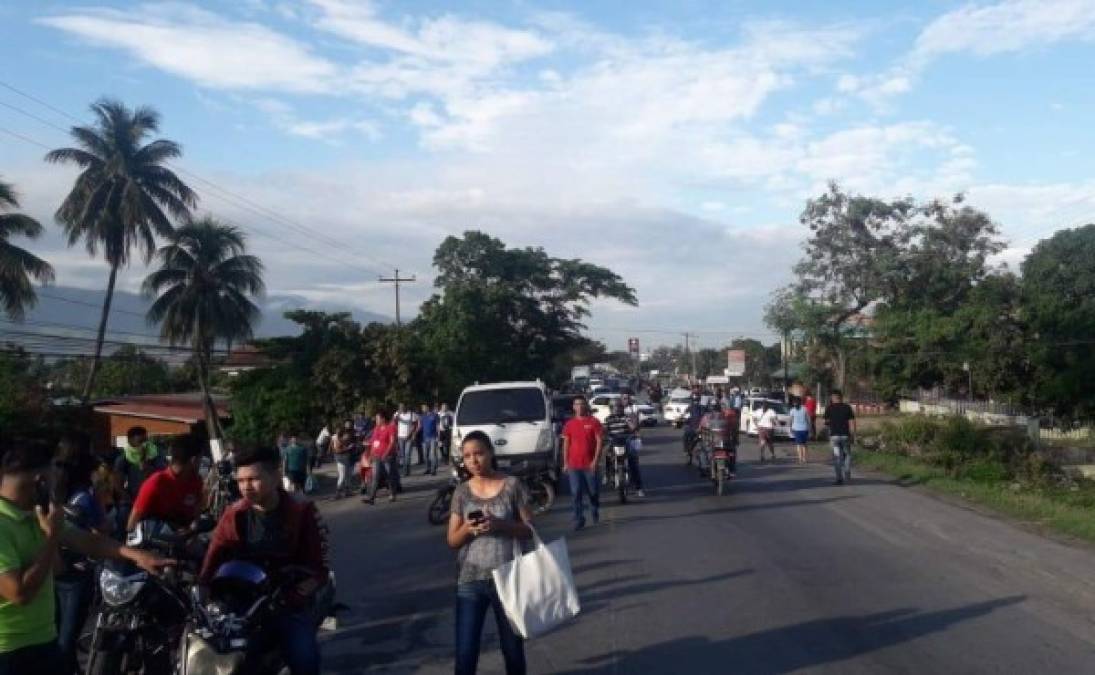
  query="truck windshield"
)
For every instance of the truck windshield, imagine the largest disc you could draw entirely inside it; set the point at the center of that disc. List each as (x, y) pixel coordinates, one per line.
(494, 406)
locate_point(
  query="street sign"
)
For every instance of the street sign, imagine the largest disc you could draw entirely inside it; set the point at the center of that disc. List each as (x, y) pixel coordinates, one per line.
(633, 346)
(735, 362)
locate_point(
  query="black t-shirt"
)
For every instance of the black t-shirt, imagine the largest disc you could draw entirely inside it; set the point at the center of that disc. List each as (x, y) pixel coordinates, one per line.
(837, 415)
(265, 536)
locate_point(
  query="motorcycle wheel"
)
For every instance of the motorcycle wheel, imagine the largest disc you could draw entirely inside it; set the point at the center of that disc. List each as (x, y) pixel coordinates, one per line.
(439, 508)
(541, 495)
(720, 478)
(621, 484)
(104, 662)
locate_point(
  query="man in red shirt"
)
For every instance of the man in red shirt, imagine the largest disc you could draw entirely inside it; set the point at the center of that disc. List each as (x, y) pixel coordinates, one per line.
(174, 494)
(383, 456)
(583, 438)
(810, 403)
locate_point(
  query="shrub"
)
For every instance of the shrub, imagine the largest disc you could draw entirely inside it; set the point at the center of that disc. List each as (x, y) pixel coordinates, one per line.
(909, 435)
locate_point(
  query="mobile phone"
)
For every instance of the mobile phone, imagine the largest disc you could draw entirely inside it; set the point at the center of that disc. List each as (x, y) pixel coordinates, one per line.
(41, 494)
(475, 515)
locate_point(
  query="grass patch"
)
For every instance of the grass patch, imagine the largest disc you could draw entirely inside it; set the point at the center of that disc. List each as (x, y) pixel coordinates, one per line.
(1069, 511)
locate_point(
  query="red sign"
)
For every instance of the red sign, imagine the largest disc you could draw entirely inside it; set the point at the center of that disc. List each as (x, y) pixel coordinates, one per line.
(735, 362)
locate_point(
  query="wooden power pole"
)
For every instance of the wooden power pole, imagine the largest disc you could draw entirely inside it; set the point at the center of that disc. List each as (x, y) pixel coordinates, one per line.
(396, 280)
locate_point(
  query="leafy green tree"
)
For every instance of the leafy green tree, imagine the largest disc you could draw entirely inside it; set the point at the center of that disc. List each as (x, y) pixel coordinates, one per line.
(24, 400)
(203, 293)
(122, 196)
(17, 265)
(506, 313)
(128, 371)
(886, 278)
(1058, 306)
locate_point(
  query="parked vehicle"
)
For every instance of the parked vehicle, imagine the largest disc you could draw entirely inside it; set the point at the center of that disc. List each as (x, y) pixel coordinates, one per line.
(438, 511)
(225, 632)
(647, 414)
(141, 619)
(517, 416)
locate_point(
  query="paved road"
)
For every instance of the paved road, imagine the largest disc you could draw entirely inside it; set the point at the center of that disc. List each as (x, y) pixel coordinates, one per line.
(787, 573)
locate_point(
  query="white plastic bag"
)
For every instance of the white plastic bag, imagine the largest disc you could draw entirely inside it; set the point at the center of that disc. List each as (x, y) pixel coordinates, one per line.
(636, 444)
(537, 588)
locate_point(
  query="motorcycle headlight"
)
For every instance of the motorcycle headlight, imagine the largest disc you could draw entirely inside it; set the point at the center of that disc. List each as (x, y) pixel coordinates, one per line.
(119, 590)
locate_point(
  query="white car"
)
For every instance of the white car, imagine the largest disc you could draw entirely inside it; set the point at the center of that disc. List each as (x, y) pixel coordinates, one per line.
(516, 416)
(751, 413)
(676, 407)
(600, 406)
(647, 414)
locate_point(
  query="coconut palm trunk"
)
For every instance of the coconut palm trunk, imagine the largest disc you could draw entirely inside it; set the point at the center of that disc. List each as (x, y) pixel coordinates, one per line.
(212, 418)
(100, 336)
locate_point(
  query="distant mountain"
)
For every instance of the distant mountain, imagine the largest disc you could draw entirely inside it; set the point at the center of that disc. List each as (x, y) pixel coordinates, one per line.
(78, 309)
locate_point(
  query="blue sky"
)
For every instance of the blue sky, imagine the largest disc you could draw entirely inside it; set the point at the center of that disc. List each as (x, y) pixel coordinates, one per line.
(675, 143)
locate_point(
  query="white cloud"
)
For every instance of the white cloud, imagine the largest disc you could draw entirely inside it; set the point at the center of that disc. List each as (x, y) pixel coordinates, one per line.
(1006, 26)
(202, 47)
(981, 30)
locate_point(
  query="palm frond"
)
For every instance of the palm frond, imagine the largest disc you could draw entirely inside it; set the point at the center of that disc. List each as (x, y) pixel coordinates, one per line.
(15, 224)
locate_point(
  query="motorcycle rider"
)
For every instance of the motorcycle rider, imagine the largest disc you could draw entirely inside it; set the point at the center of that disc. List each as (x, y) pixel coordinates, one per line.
(622, 428)
(633, 443)
(694, 416)
(174, 494)
(270, 528)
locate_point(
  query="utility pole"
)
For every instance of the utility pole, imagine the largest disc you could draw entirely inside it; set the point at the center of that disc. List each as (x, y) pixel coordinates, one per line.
(692, 353)
(397, 280)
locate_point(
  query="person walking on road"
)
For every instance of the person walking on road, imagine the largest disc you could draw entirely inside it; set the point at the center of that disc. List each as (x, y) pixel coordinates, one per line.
(800, 428)
(295, 463)
(343, 447)
(383, 457)
(428, 422)
(766, 428)
(583, 440)
(407, 427)
(811, 409)
(444, 427)
(840, 419)
(323, 445)
(488, 513)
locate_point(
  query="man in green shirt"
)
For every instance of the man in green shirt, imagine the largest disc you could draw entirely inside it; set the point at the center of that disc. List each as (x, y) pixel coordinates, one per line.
(30, 537)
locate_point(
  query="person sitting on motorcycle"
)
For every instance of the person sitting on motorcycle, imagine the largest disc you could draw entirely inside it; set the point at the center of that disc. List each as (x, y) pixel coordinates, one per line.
(270, 528)
(622, 429)
(174, 494)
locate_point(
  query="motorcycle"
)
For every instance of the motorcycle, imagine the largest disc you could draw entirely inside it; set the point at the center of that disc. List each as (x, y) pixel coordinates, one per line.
(227, 633)
(689, 441)
(139, 623)
(716, 452)
(619, 476)
(539, 482)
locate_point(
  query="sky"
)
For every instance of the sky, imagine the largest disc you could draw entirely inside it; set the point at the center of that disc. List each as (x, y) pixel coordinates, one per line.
(675, 143)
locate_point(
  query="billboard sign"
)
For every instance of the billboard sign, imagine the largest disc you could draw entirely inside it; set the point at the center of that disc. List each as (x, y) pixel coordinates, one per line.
(735, 362)
(633, 346)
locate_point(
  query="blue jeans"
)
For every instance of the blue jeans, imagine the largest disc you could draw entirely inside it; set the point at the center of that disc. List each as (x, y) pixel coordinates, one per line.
(842, 457)
(473, 598)
(73, 602)
(429, 446)
(406, 445)
(297, 641)
(389, 467)
(584, 483)
(633, 467)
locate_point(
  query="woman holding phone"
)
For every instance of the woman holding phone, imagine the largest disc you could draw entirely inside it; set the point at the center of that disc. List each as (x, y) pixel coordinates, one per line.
(489, 512)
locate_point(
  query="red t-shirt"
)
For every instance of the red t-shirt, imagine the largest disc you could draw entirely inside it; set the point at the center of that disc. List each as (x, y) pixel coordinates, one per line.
(582, 433)
(811, 406)
(165, 496)
(381, 445)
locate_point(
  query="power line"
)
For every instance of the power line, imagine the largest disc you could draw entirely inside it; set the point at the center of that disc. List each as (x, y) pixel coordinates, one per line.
(219, 192)
(87, 304)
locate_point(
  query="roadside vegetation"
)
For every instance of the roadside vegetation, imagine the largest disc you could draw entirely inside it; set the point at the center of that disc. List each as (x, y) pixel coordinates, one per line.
(997, 468)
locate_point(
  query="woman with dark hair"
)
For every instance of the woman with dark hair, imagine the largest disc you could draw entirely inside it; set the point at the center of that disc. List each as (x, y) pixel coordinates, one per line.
(73, 585)
(489, 512)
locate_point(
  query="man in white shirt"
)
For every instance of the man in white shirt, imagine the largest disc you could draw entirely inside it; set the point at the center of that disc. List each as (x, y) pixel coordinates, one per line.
(406, 427)
(323, 444)
(765, 422)
(445, 428)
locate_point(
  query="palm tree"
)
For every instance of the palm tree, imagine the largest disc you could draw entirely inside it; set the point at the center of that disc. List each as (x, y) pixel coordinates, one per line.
(17, 265)
(203, 291)
(121, 195)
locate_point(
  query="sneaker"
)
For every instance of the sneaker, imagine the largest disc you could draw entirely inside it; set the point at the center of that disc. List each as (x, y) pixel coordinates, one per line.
(838, 481)
(391, 498)
(580, 525)
(368, 500)
(640, 493)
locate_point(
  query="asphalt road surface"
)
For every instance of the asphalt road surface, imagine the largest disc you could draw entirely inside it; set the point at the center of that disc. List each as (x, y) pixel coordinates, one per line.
(787, 573)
